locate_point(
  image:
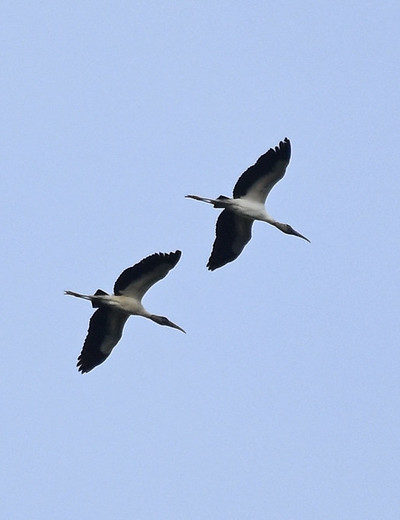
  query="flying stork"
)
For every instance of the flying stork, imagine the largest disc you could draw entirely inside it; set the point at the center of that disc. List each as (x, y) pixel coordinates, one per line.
(107, 323)
(233, 229)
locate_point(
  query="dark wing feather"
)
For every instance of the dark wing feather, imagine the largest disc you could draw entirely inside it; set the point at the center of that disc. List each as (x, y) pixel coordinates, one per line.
(258, 180)
(105, 330)
(137, 280)
(232, 234)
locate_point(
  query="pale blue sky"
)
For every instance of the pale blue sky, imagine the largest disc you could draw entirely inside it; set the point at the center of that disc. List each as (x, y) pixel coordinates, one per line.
(282, 401)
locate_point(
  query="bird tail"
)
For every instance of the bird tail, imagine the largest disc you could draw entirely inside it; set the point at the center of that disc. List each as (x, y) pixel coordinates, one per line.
(220, 202)
(95, 299)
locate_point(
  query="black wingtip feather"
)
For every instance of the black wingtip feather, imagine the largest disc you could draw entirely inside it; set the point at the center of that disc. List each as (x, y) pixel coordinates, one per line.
(264, 163)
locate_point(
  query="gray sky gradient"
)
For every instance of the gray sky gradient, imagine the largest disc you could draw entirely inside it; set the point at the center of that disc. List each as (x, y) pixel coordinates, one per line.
(282, 401)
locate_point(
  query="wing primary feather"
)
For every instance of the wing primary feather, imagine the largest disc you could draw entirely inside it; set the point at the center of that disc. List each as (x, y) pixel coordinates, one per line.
(140, 277)
(105, 330)
(266, 172)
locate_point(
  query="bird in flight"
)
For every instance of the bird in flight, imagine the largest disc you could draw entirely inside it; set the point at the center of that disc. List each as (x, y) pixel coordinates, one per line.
(107, 323)
(233, 229)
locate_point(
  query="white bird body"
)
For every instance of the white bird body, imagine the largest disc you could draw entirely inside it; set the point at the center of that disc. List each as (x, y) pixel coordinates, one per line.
(244, 207)
(107, 323)
(126, 304)
(248, 208)
(130, 305)
(233, 230)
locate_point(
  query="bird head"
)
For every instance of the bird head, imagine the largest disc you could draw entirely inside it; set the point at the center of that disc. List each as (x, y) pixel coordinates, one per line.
(290, 231)
(162, 320)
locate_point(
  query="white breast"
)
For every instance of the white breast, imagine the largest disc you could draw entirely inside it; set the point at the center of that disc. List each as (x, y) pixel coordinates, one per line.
(250, 209)
(128, 305)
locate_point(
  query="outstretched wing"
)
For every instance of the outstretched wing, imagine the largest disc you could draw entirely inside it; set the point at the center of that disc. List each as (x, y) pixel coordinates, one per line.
(258, 180)
(105, 330)
(232, 234)
(137, 280)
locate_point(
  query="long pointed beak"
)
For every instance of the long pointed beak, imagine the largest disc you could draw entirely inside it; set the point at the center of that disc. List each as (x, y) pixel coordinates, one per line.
(170, 324)
(297, 234)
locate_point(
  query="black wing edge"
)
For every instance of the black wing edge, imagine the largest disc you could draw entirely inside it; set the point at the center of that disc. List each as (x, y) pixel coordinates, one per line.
(222, 252)
(143, 267)
(264, 163)
(91, 355)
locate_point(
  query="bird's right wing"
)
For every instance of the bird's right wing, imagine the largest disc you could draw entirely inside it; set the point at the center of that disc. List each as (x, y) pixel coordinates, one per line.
(137, 280)
(105, 330)
(258, 180)
(232, 234)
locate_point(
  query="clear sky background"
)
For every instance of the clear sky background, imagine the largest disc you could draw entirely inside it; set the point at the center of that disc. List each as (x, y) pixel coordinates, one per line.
(282, 401)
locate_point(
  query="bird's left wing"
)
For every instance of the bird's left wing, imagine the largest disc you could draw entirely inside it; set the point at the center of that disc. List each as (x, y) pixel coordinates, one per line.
(105, 330)
(233, 232)
(137, 280)
(258, 180)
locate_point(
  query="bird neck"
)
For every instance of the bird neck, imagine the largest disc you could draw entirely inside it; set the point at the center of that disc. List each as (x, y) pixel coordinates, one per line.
(270, 220)
(263, 215)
